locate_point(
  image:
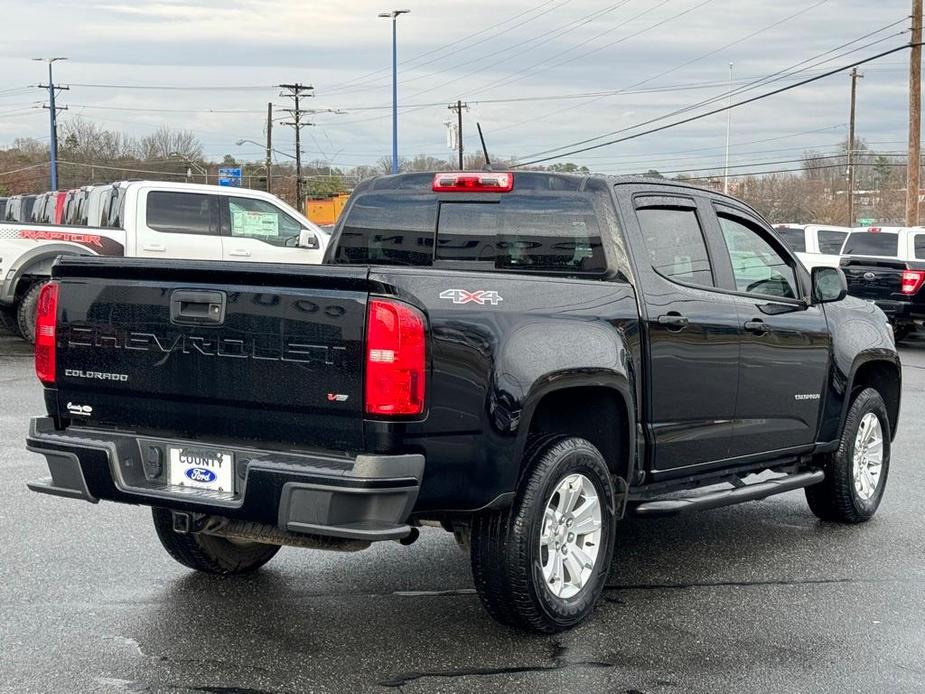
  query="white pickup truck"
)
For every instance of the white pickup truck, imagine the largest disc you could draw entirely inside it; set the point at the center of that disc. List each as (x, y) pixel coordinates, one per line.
(154, 219)
(815, 244)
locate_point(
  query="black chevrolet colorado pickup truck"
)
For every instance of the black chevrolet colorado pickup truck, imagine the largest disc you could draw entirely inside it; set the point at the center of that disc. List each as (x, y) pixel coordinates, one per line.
(523, 358)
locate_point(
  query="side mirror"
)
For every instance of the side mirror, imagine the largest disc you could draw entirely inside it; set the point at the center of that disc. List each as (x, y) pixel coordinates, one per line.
(309, 239)
(829, 284)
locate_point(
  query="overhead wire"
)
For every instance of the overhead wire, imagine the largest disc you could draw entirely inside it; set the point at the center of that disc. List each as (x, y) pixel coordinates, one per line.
(722, 109)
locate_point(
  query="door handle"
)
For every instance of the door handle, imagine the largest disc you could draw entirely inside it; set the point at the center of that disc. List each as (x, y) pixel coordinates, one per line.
(238, 253)
(756, 326)
(674, 320)
(156, 247)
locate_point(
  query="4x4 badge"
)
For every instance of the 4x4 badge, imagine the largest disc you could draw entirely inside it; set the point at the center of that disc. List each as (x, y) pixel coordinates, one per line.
(479, 296)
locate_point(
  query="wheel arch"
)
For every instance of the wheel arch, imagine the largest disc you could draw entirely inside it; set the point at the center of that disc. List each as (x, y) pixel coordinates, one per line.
(33, 262)
(597, 406)
(885, 376)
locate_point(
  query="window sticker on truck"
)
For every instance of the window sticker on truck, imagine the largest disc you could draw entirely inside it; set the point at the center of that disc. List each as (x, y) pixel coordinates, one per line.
(480, 296)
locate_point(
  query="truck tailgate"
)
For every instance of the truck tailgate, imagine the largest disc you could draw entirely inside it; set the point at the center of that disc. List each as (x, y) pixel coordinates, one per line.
(203, 349)
(873, 278)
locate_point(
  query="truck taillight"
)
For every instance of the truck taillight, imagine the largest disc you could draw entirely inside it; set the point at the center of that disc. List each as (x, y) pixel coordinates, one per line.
(46, 320)
(395, 359)
(912, 281)
(473, 182)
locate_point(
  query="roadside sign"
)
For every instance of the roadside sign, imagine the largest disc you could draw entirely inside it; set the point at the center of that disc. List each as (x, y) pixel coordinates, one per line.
(229, 176)
(866, 221)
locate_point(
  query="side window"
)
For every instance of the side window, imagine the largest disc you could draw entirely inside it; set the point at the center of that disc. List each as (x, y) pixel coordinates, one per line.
(831, 241)
(756, 266)
(919, 241)
(675, 243)
(182, 213)
(257, 219)
(794, 238)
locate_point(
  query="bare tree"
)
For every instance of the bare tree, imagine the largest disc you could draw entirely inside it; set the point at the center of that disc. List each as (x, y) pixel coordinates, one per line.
(165, 143)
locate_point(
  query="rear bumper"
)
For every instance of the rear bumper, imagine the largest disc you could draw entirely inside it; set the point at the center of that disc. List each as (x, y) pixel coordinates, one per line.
(366, 497)
(895, 310)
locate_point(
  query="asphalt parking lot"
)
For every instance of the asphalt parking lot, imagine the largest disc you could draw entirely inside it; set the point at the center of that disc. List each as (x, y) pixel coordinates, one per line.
(755, 598)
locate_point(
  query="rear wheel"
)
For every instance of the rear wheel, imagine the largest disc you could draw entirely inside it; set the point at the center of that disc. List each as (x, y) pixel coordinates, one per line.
(209, 553)
(25, 313)
(855, 475)
(542, 564)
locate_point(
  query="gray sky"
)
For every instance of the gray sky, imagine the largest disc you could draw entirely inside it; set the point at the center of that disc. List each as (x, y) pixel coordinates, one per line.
(666, 54)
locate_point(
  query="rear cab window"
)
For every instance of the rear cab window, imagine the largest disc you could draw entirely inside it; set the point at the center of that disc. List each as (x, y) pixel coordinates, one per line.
(545, 232)
(872, 243)
(831, 241)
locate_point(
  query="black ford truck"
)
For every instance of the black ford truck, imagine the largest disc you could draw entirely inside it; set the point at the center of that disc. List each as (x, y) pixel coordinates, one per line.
(523, 358)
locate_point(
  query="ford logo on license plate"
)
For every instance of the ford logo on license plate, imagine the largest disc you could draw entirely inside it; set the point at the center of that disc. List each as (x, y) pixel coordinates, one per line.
(200, 474)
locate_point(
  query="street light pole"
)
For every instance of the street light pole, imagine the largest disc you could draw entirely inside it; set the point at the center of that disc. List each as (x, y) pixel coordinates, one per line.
(393, 15)
(728, 131)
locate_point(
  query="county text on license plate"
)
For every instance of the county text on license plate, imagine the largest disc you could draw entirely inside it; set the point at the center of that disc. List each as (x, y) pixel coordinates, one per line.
(202, 468)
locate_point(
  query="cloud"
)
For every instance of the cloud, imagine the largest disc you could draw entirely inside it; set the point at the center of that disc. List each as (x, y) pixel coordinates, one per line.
(477, 50)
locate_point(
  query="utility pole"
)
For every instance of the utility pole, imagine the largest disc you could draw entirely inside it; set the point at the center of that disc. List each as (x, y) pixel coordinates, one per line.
(269, 142)
(52, 118)
(296, 92)
(458, 108)
(914, 163)
(851, 145)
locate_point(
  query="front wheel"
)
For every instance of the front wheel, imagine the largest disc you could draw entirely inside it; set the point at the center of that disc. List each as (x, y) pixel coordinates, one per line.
(542, 564)
(210, 553)
(855, 475)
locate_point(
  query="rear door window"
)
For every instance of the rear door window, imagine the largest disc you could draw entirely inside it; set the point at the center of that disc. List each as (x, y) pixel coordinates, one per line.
(675, 244)
(831, 241)
(872, 243)
(183, 213)
(794, 238)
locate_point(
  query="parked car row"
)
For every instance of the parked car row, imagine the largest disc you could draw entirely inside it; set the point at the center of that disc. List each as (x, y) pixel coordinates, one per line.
(79, 206)
(883, 265)
(139, 219)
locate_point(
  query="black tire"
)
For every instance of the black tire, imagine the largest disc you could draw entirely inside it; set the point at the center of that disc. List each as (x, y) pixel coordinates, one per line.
(209, 553)
(505, 548)
(8, 320)
(25, 312)
(836, 498)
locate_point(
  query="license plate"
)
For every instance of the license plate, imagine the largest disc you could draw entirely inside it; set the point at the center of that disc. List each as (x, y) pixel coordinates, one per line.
(202, 468)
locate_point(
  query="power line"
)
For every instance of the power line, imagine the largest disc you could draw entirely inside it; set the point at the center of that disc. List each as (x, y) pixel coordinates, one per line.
(717, 110)
(165, 87)
(411, 61)
(780, 75)
(537, 40)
